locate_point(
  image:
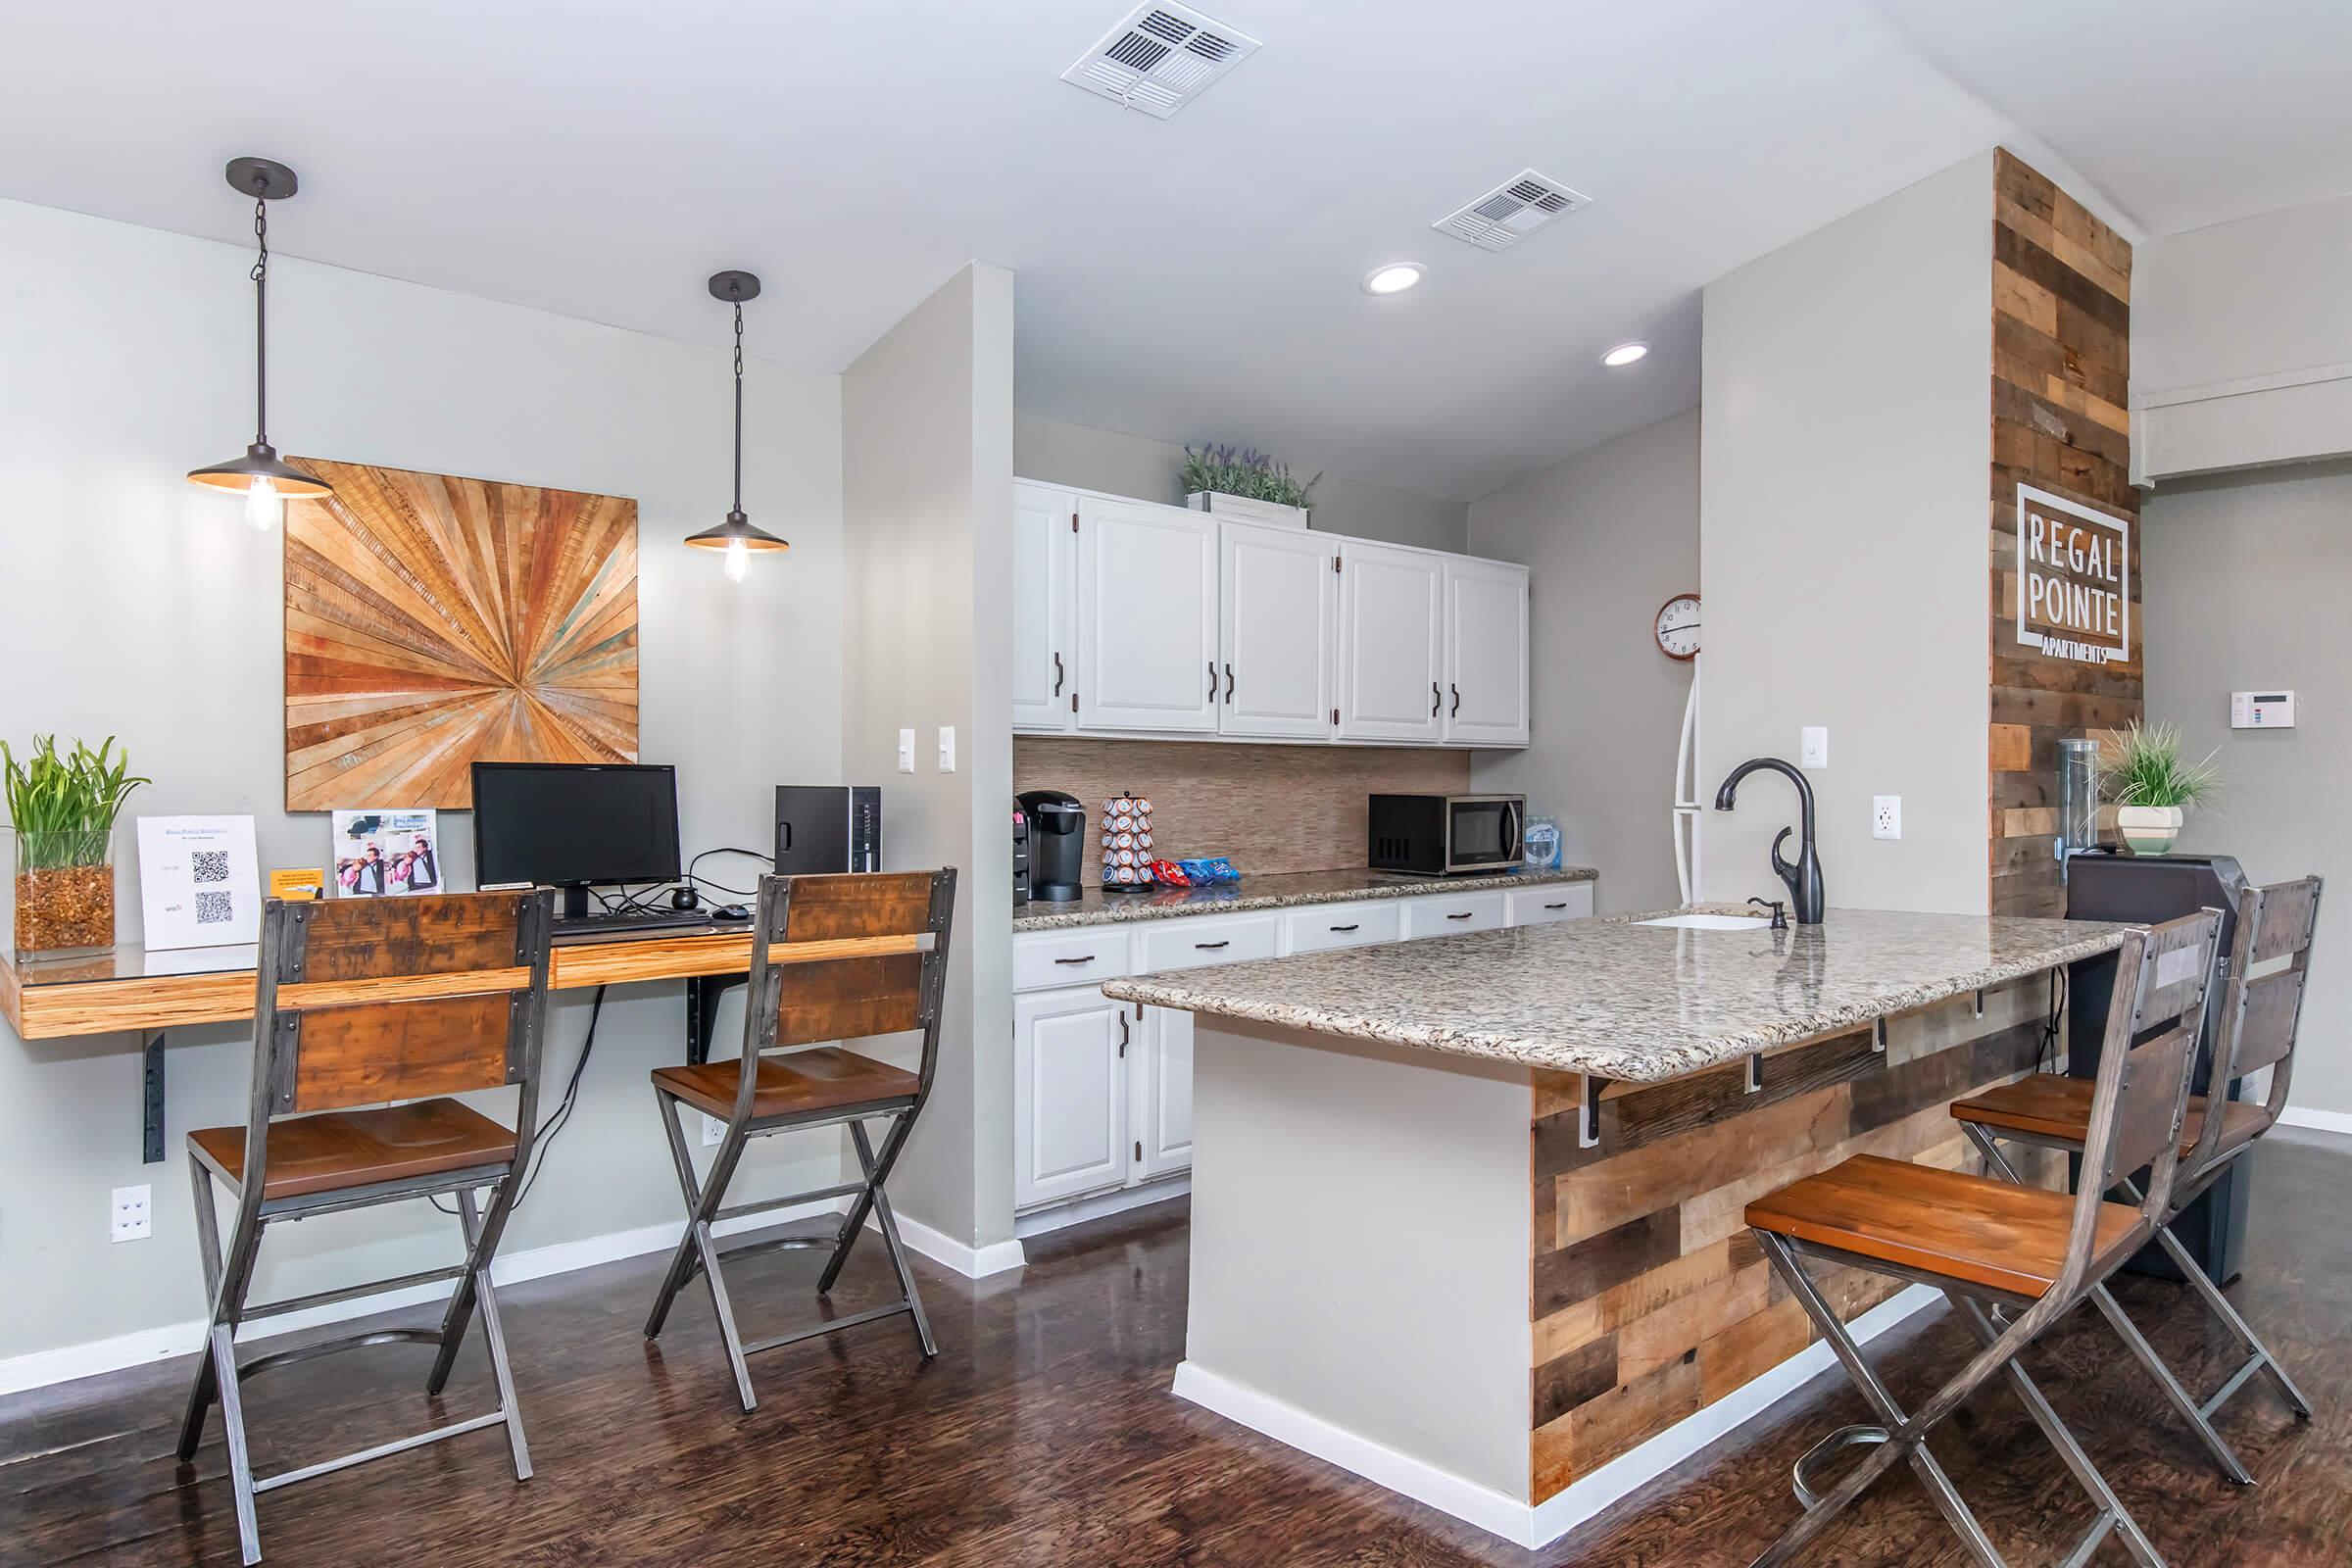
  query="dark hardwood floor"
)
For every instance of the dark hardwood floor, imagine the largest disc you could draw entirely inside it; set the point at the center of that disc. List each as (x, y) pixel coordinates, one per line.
(1044, 1434)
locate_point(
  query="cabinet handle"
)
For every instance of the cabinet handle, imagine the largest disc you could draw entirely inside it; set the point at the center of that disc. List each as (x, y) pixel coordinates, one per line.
(1456, 711)
(1356, 927)
(1229, 682)
(1464, 915)
(1560, 905)
(1057, 674)
(1212, 681)
(1434, 699)
(1087, 958)
(1211, 946)
(1122, 1031)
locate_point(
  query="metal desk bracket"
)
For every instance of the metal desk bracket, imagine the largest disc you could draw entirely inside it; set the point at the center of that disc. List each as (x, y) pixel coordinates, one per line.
(1587, 1112)
(702, 992)
(151, 1097)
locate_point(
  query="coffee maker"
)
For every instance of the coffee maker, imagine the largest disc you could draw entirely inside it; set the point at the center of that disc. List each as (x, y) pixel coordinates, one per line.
(1057, 845)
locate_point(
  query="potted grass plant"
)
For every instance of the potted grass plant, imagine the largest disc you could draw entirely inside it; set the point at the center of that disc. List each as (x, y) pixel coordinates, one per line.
(2151, 787)
(62, 807)
(1247, 484)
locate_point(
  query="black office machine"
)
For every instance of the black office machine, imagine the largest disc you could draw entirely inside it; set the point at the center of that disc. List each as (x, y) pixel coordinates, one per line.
(828, 828)
(1057, 845)
(2101, 885)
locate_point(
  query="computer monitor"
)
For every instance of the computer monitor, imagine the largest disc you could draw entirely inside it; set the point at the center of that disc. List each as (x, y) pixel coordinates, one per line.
(572, 825)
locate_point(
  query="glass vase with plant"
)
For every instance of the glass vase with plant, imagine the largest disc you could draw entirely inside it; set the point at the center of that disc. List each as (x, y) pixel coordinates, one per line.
(1244, 473)
(63, 806)
(2151, 787)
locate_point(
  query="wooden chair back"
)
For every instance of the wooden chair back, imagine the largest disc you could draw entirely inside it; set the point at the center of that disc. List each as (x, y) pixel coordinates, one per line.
(846, 957)
(2141, 1093)
(366, 1001)
(2261, 1014)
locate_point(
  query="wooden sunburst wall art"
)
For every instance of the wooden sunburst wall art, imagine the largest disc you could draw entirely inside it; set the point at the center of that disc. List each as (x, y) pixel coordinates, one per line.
(434, 623)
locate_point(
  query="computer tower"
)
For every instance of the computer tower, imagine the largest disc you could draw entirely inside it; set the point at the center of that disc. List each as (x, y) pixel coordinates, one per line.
(828, 828)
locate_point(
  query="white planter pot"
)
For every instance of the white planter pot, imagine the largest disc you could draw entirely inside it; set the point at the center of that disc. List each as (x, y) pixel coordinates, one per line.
(2148, 830)
(1242, 509)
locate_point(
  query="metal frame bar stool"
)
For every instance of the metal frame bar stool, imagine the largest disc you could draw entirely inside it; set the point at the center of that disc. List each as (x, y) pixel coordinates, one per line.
(833, 957)
(359, 1004)
(2260, 1017)
(1988, 1242)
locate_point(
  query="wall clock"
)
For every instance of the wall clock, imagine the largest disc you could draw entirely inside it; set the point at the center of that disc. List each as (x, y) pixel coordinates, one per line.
(1677, 626)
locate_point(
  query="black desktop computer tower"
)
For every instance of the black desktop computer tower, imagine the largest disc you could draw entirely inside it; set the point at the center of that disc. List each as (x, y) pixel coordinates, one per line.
(828, 828)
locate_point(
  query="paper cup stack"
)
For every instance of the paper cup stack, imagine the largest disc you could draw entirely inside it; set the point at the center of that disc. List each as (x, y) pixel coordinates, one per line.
(1126, 843)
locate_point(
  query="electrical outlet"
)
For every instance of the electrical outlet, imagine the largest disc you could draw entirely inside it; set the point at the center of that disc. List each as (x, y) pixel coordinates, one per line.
(1813, 746)
(947, 748)
(1885, 816)
(133, 1214)
(906, 751)
(713, 1130)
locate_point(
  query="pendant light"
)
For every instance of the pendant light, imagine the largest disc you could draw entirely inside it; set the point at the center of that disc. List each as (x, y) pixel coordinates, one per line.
(258, 475)
(737, 536)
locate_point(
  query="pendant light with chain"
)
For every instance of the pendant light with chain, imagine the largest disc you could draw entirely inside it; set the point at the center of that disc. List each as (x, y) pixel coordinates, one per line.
(737, 537)
(258, 475)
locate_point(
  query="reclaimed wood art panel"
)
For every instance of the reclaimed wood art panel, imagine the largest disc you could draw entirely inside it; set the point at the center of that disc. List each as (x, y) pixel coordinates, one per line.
(433, 622)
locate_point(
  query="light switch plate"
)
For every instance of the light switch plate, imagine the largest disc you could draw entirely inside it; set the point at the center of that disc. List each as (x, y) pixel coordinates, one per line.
(947, 748)
(1814, 748)
(1887, 816)
(906, 751)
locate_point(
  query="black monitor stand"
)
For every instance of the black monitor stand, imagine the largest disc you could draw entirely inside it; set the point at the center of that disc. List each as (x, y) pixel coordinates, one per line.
(575, 902)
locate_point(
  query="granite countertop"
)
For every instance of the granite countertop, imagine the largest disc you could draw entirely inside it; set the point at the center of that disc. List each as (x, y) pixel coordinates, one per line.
(1622, 1001)
(1278, 892)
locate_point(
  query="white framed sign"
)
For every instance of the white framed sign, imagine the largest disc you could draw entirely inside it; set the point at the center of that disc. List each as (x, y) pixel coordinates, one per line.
(2074, 579)
(200, 882)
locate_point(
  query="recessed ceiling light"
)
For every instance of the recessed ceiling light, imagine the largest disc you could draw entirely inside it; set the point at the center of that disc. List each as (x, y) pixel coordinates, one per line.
(1624, 353)
(1394, 278)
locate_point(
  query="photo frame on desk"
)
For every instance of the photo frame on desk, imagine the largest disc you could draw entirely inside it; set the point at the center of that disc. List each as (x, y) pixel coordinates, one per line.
(385, 853)
(200, 882)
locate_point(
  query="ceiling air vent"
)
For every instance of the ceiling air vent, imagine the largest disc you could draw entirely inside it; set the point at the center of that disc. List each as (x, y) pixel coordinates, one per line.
(1511, 211)
(1159, 59)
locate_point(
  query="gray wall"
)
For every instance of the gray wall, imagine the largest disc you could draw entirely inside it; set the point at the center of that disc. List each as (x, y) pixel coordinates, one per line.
(927, 494)
(1612, 535)
(2245, 578)
(1844, 456)
(1136, 465)
(140, 606)
(2241, 343)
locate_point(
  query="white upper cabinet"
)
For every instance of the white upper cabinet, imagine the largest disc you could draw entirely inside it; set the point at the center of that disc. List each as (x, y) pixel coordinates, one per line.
(1277, 602)
(1486, 652)
(1392, 623)
(1147, 655)
(1043, 621)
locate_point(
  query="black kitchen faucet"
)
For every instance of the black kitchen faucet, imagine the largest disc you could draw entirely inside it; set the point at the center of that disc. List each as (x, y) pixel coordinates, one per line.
(1804, 876)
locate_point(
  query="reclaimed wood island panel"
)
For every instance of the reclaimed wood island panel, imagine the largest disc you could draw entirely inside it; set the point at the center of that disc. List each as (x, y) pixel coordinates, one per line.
(1468, 1214)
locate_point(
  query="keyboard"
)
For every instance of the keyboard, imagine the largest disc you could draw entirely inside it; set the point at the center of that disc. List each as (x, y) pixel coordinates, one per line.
(631, 920)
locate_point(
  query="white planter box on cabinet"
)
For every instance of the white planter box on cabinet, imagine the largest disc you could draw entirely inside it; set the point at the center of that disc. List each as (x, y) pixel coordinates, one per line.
(1277, 600)
(1486, 652)
(1043, 624)
(1391, 624)
(1148, 656)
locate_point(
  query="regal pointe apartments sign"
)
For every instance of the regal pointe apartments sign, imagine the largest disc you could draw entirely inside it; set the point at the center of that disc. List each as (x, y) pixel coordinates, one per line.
(2073, 574)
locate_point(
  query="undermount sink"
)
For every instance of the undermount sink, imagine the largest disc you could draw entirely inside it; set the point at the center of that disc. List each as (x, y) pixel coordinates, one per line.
(1710, 922)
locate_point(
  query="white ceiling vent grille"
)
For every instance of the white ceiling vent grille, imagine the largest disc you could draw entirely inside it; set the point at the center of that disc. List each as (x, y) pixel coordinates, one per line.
(1159, 59)
(1511, 211)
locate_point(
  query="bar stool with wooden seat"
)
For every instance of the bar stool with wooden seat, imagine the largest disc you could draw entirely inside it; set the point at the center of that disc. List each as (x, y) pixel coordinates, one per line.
(833, 957)
(361, 1003)
(2258, 1018)
(1988, 1242)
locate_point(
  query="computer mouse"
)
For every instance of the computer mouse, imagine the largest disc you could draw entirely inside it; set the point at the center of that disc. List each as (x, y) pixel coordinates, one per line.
(730, 911)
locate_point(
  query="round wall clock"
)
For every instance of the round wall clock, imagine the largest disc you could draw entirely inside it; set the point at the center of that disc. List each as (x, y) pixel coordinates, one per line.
(1677, 626)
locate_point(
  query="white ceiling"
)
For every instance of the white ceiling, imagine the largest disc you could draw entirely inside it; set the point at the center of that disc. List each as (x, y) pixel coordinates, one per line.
(1188, 279)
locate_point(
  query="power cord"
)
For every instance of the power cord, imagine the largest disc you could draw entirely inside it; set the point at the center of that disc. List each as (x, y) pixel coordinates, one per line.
(571, 1093)
(721, 887)
(2047, 1055)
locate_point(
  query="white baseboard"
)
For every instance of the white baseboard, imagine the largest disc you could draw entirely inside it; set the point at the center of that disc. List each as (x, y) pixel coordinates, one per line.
(95, 1356)
(1101, 1206)
(1490, 1510)
(2325, 1121)
(972, 1262)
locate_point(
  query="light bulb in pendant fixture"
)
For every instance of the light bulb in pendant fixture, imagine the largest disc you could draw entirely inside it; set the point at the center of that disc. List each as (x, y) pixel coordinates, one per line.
(258, 475)
(737, 537)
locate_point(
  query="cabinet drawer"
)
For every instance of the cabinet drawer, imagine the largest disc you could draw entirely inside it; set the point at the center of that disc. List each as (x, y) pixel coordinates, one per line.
(1068, 958)
(1450, 914)
(1560, 901)
(1342, 925)
(1189, 940)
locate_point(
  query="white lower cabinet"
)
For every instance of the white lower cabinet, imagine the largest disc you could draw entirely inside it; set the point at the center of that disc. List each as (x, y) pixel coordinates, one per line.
(1102, 1090)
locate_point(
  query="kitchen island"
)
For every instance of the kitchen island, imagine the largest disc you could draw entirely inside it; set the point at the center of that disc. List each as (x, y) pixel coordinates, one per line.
(1467, 1214)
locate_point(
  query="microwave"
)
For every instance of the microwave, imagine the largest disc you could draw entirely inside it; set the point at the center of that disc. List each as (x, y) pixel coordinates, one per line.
(1446, 835)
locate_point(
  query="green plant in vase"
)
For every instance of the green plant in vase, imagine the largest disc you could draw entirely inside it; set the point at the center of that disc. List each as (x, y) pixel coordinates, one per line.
(1251, 474)
(63, 806)
(2151, 787)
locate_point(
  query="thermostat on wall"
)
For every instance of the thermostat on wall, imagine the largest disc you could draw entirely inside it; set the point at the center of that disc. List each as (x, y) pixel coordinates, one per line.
(2262, 709)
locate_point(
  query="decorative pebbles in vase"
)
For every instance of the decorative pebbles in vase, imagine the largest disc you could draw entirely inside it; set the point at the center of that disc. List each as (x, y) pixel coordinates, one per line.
(2152, 788)
(62, 809)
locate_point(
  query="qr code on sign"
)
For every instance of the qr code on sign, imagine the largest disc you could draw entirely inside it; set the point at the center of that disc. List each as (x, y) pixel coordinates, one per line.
(212, 908)
(211, 866)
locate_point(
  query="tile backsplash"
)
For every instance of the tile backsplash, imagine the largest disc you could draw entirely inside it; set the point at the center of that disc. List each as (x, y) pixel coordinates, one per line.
(1271, 808)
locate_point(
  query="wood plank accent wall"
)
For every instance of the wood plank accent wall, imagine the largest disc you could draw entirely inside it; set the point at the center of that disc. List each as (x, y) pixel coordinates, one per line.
(1650, 1296)
(1272, 809)
(2061, 374)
